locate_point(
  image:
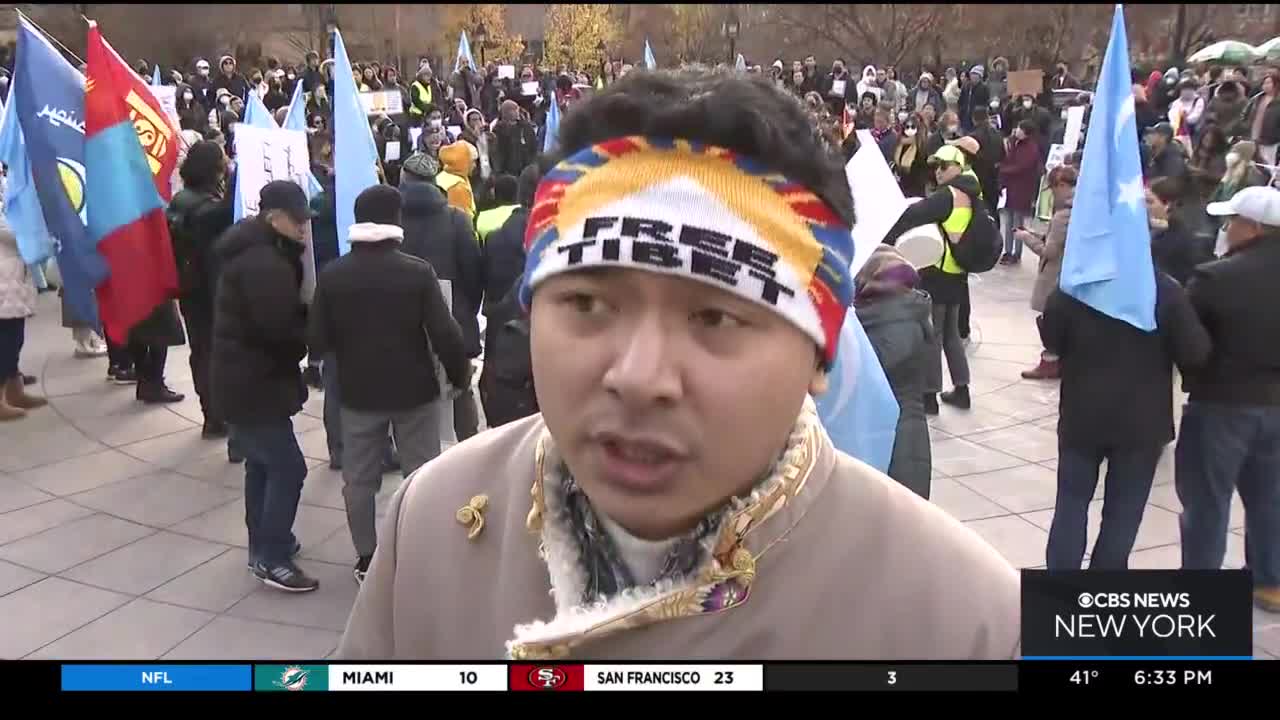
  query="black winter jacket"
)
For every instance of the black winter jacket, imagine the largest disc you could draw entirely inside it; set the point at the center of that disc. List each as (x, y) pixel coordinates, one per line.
(371, 309)
(516, 147)
(1236, 298)
(444, 236)
(259, 325)
(503, 259)
(1117, 380)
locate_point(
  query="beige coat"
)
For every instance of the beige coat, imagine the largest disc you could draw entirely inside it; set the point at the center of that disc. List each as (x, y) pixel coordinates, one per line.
(1050, 249)
(829, 559)
(17, 287)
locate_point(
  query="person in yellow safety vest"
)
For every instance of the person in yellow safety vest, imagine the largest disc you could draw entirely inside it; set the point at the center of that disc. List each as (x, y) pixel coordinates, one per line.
(504, 194)
(458, 160)
(422, 96)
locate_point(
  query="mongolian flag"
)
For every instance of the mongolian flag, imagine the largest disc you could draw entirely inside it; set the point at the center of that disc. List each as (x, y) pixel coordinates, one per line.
(126, 218)
(156, 133)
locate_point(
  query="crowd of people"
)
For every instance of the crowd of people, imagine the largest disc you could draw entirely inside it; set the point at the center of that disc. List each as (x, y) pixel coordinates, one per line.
(472, 219)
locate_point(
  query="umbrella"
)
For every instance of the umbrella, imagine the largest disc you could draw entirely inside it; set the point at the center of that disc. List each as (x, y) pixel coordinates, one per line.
(1228, 51)
(1269, 50)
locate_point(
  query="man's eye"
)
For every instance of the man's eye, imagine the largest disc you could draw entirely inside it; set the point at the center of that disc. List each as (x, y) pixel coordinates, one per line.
(582, 302)
(714, 318)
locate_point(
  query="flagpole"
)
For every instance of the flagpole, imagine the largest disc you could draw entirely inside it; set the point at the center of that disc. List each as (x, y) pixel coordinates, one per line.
(55, 40)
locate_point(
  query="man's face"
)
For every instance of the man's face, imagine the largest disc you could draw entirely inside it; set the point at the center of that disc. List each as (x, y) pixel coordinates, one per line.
(974, 78)
(228, 67)
(660, 410)
(929, 113)
(797, 66)
(881, 121)
(1157, 141)
(797, 77)
(1242, 232)
(946, 172)
(837, 67)
(313, 62)
(237, 105)
(925, 84)
(202, 69)
(287, 225)
(881, 76)
(810, 62)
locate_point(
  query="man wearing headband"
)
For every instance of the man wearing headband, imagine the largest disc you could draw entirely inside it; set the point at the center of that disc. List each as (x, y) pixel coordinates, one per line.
(687, 277)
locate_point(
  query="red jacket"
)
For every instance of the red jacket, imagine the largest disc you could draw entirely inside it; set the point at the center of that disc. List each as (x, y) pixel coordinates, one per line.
(1020, 175)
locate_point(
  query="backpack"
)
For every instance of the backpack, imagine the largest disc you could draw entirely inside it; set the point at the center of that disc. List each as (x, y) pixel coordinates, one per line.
(187, 251)
(979, 247)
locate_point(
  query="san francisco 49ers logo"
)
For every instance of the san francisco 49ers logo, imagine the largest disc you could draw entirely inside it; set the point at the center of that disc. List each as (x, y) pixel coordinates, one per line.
(547, 678)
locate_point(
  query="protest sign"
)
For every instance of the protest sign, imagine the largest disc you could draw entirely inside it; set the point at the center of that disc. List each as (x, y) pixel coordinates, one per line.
(264, 155)
(529, 89)
(1026, 82)
(506, 72)
(167, 96)
(382, 102)
(837, 88)
(1075, 122)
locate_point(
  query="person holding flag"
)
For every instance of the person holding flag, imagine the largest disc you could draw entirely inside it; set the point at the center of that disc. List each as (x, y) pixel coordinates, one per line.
(1118, 328)
(678, 466)
(130, 151)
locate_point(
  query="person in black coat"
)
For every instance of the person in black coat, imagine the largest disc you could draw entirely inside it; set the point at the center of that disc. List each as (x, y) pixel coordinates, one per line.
(515, 141)
(197, 216)
(1230, 434)
(370, 310)
(230, 80)
(445, 237)
(259, 338)
(1165, 158)
(1116, 404)
(973, 95)
(1181, 237)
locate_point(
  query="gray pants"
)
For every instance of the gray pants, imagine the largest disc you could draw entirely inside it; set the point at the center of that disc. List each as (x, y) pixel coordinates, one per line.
(364, 440)
(946, 338)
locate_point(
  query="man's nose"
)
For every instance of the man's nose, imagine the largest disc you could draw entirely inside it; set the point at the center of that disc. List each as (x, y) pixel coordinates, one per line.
(645, 368)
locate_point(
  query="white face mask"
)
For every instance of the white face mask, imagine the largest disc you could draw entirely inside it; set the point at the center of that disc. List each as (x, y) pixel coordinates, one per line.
(1232, 159)
(437, 124)
(188, 97)
(1026, 104)
(1064, 114)
(909, 132)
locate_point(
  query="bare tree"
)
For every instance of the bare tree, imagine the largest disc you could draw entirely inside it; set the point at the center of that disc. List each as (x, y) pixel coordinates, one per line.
(886, 32)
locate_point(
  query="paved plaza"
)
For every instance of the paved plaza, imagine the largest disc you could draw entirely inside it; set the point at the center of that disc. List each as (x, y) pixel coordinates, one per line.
(122, 532)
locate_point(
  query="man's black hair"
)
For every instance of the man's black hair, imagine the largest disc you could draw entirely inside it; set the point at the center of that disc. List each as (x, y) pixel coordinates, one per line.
(527, 185)
(746, 114)
(203, 167)
(504, 189)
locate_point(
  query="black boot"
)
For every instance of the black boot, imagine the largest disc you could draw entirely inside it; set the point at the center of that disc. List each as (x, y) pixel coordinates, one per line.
(155, 392)
(213, 429)
(958, 398)
(930, 404)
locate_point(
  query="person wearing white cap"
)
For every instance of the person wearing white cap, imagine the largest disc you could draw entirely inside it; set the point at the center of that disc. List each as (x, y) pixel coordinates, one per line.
(1230, 435)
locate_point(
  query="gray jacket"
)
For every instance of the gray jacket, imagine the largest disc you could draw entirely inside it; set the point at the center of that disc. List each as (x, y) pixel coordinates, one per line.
(900, 329)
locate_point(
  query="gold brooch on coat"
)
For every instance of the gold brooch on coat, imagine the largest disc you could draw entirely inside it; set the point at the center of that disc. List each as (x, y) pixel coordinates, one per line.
(471, 515)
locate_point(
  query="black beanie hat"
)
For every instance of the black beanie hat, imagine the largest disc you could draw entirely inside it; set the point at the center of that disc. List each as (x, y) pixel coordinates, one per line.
(378, 204)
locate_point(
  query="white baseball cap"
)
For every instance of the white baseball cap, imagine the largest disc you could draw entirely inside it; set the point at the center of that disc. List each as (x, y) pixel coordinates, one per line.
(1259, 204)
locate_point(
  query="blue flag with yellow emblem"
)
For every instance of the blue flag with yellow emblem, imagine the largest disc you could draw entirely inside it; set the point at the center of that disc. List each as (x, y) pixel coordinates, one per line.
(48, 101)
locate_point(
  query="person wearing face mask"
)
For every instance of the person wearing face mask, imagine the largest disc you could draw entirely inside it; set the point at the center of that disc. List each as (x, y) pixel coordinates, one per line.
(973, 95)
(1063, 79)
(230, 80)
(260, 338)
(258, 85)
(1026, 108)
(275, 99)
(910, 163)
(924, 93)
(476, 131)
(1020, 178)
(1229, 439)
(1185, 112)
(201, 83)
(192, 113)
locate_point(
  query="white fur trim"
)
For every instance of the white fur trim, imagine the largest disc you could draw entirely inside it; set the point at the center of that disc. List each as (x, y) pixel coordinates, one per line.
(374, 232)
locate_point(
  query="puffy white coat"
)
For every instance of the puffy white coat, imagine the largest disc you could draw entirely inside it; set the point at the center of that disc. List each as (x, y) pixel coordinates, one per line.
(17, 287)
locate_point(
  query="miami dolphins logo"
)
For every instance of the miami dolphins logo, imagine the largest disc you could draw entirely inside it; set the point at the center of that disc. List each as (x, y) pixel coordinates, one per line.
(72, 175)
(293, 678)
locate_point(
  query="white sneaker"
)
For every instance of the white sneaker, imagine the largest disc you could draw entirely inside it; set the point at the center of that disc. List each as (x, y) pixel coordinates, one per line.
(88, 349)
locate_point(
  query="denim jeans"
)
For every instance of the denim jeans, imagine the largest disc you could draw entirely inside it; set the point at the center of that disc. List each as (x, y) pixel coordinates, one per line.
(273, 473)
(1221, 449)
(1130, 473)
(1011, 220)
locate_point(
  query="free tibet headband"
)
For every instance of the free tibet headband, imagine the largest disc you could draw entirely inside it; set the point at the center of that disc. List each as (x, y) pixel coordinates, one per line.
(707, 213)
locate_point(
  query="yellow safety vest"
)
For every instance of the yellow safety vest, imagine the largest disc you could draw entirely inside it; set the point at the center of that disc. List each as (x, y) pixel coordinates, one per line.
(420, 92)
(446, 180)
(492, 219)
(955, 224)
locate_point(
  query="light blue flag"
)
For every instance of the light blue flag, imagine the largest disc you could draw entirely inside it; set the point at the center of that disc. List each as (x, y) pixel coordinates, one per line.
(296, 118)
(255, 115)
(859, 409)
(355, 156)
(21, 203)
(649, 61)
(553, 125)
(1107, 264)
(155, 76)
(464, 51)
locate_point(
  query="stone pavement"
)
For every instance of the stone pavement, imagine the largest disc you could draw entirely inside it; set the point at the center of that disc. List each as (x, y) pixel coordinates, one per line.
(122, 532)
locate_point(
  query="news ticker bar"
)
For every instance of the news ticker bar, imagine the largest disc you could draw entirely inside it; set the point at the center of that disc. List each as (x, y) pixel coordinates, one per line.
(1027, 676)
